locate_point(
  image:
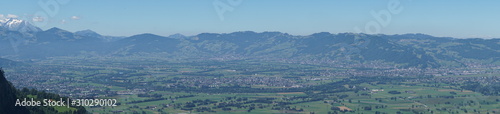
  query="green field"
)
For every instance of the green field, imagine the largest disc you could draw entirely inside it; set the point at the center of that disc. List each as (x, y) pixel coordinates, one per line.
(163, 86)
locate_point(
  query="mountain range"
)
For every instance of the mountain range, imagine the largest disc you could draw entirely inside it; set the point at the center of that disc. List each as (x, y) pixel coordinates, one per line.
(18, 25)
(22, 41)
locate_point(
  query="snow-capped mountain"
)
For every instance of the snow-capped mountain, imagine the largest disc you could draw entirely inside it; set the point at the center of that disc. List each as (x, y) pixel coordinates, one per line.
(13, 24)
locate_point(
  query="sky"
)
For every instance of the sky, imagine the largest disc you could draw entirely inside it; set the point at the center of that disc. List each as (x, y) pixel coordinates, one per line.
(447, 18)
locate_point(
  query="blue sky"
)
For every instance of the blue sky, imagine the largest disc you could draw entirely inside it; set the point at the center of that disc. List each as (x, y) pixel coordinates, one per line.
(454, 18)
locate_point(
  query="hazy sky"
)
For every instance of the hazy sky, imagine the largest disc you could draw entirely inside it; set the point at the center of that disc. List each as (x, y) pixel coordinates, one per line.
(455, 18)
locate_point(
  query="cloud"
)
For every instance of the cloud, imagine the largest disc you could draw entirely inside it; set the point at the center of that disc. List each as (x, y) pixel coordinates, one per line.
(63, 21)
(12, 16)
(8, 16)
(4, 18)
(75, 17)
(38, 19)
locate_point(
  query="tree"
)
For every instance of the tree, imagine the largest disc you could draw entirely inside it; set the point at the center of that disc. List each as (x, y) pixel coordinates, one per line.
(394, 92)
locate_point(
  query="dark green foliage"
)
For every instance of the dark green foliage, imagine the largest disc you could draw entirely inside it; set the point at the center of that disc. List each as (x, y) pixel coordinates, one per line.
(8, 97)
(490, 89)
(394, 92)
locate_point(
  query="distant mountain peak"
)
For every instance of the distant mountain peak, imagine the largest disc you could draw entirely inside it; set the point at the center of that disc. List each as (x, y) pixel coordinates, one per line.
(243, 33)
(85, 31)
(88, 32)
(55, 29)
(14, 24)
(322, 34)
(177, 36)
(145, 35)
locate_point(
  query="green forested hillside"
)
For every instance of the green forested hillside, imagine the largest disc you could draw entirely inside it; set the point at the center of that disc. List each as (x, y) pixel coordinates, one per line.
(407, 50)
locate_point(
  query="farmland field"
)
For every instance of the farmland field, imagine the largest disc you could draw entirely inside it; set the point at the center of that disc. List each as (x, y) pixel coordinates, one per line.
(163, 86)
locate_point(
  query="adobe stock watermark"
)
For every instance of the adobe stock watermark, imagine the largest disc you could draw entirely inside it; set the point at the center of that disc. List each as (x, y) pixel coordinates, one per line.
(360, 41)
(382, 18)
(50, 8)
(222, 7)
